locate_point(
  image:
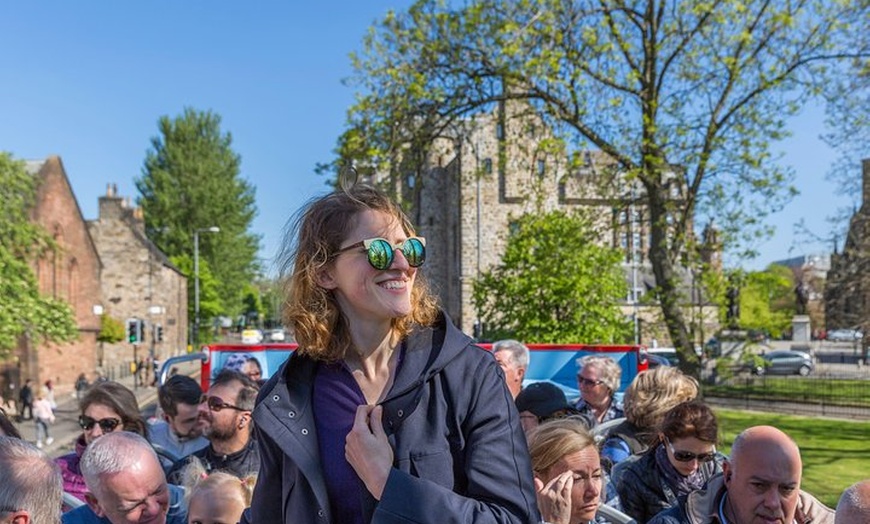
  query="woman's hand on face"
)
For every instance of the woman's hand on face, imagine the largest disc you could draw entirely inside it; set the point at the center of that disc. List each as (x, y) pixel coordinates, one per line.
(368, 451)
(554, 499)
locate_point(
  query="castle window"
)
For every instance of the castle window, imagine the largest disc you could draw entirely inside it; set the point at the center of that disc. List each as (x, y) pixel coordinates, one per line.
(499, 131)
(487, 165)
(542, 167)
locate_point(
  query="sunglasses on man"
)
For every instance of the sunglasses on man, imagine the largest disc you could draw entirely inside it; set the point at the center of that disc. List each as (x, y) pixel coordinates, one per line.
(380, 252)
(216, 403)
(108, 425)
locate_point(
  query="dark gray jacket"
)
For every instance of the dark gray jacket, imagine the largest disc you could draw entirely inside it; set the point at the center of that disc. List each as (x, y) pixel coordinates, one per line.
(644, 492)
(460, 455)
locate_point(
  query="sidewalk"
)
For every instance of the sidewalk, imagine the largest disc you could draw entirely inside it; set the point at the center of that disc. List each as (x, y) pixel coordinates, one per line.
(66, 430)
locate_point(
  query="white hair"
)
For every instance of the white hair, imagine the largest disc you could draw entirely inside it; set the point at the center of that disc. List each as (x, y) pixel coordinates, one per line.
(113, 453)
(519, 353)
(31, 481)
(610, 372)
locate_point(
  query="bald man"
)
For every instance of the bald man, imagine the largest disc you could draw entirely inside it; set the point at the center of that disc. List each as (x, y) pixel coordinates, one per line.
(854, 505)
(760, 483)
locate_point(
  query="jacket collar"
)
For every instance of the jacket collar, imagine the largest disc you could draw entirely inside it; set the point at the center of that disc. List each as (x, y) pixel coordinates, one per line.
(703, 505)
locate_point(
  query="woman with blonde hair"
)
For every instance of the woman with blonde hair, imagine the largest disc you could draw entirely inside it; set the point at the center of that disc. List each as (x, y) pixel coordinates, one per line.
(568, 477)
(386, 411)
(650, 395)
(217, 497)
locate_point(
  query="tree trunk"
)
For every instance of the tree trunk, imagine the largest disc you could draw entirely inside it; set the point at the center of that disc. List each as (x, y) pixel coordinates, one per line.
(667, 282)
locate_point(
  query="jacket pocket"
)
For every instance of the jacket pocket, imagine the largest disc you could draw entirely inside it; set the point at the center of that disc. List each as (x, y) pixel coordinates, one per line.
(436, 466)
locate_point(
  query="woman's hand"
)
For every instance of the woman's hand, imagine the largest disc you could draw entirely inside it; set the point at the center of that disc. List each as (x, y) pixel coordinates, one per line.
(368, 451)
(554, 499)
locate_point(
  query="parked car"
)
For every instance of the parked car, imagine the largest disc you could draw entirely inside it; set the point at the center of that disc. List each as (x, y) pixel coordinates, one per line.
(844, 335)
(655, 360)
(785, 362)
(252, 336)
(669, 354)
(277, 335)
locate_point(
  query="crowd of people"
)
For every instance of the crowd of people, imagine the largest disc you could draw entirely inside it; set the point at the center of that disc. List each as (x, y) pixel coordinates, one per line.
(388, 413)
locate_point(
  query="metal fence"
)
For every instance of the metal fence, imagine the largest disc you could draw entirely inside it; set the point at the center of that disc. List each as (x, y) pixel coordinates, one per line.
(825, 396)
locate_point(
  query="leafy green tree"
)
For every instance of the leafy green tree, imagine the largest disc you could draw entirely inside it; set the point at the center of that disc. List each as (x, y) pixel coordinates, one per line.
(555, 284)
(704, 86)
(23, 310)
(210, 305)
(767, 300)
(191, 181)
(111, 331)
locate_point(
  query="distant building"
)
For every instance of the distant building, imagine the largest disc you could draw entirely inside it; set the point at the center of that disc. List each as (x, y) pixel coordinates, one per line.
(138, 281)
(71, 274)
(815, 266)
(473, 186)
(847, 293)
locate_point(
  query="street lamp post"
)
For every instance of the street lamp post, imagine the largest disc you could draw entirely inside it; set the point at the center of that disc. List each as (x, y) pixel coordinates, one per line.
(212, 229)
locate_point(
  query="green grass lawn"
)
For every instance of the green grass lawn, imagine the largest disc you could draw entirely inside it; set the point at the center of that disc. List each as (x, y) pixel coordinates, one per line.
(835, 453)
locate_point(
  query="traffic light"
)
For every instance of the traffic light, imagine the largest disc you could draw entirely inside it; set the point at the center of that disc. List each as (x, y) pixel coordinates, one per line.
(158, 333)
(134, 330)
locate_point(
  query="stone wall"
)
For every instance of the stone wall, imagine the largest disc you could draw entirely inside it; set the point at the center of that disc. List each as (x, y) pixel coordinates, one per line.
(138, 281)
(499, 167)
(847, 289)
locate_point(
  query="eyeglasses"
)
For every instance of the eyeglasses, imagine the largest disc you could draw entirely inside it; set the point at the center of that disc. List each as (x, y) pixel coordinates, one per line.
(217, 403)
(688, 456)
(108, 425)
(380, 251)
(583, 381)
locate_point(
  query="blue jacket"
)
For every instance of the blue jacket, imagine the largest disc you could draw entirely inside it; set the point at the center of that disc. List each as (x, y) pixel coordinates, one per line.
(460, 455)
(177, 511)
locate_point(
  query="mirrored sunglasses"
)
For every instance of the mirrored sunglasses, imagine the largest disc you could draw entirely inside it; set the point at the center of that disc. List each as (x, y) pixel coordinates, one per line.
(380, 252)
(688, 456)
(108, 425)
(217, 403)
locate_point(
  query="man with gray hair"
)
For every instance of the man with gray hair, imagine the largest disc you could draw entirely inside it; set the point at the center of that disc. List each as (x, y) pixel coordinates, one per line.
(854, 505)
(126, 484)
(31, 489)
(513, 357)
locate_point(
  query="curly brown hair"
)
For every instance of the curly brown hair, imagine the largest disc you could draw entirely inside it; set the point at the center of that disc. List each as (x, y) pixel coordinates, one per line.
(311, 244)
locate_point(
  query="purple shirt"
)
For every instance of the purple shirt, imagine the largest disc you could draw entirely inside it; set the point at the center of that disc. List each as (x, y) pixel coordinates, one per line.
(336, 397)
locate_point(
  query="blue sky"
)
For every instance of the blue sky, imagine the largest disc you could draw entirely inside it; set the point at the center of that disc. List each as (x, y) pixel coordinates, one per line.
(89, 80)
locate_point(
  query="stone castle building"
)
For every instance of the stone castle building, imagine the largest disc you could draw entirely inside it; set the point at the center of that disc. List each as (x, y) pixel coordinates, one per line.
(497, 168)
(104, 266)
(847, 290)
(71, 274)
(138, 281)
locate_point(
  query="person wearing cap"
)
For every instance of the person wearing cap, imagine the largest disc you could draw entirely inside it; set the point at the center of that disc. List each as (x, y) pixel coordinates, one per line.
(542, 401)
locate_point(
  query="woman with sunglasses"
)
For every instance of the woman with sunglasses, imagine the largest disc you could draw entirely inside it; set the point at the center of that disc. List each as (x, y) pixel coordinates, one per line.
(106, 407)
(681, 462)
(386, 412)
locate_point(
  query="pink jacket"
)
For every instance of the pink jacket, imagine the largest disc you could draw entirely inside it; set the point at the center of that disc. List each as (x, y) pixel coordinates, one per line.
(73, 481)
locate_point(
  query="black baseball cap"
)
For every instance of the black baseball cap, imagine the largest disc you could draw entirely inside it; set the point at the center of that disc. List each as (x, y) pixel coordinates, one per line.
(542, 399)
